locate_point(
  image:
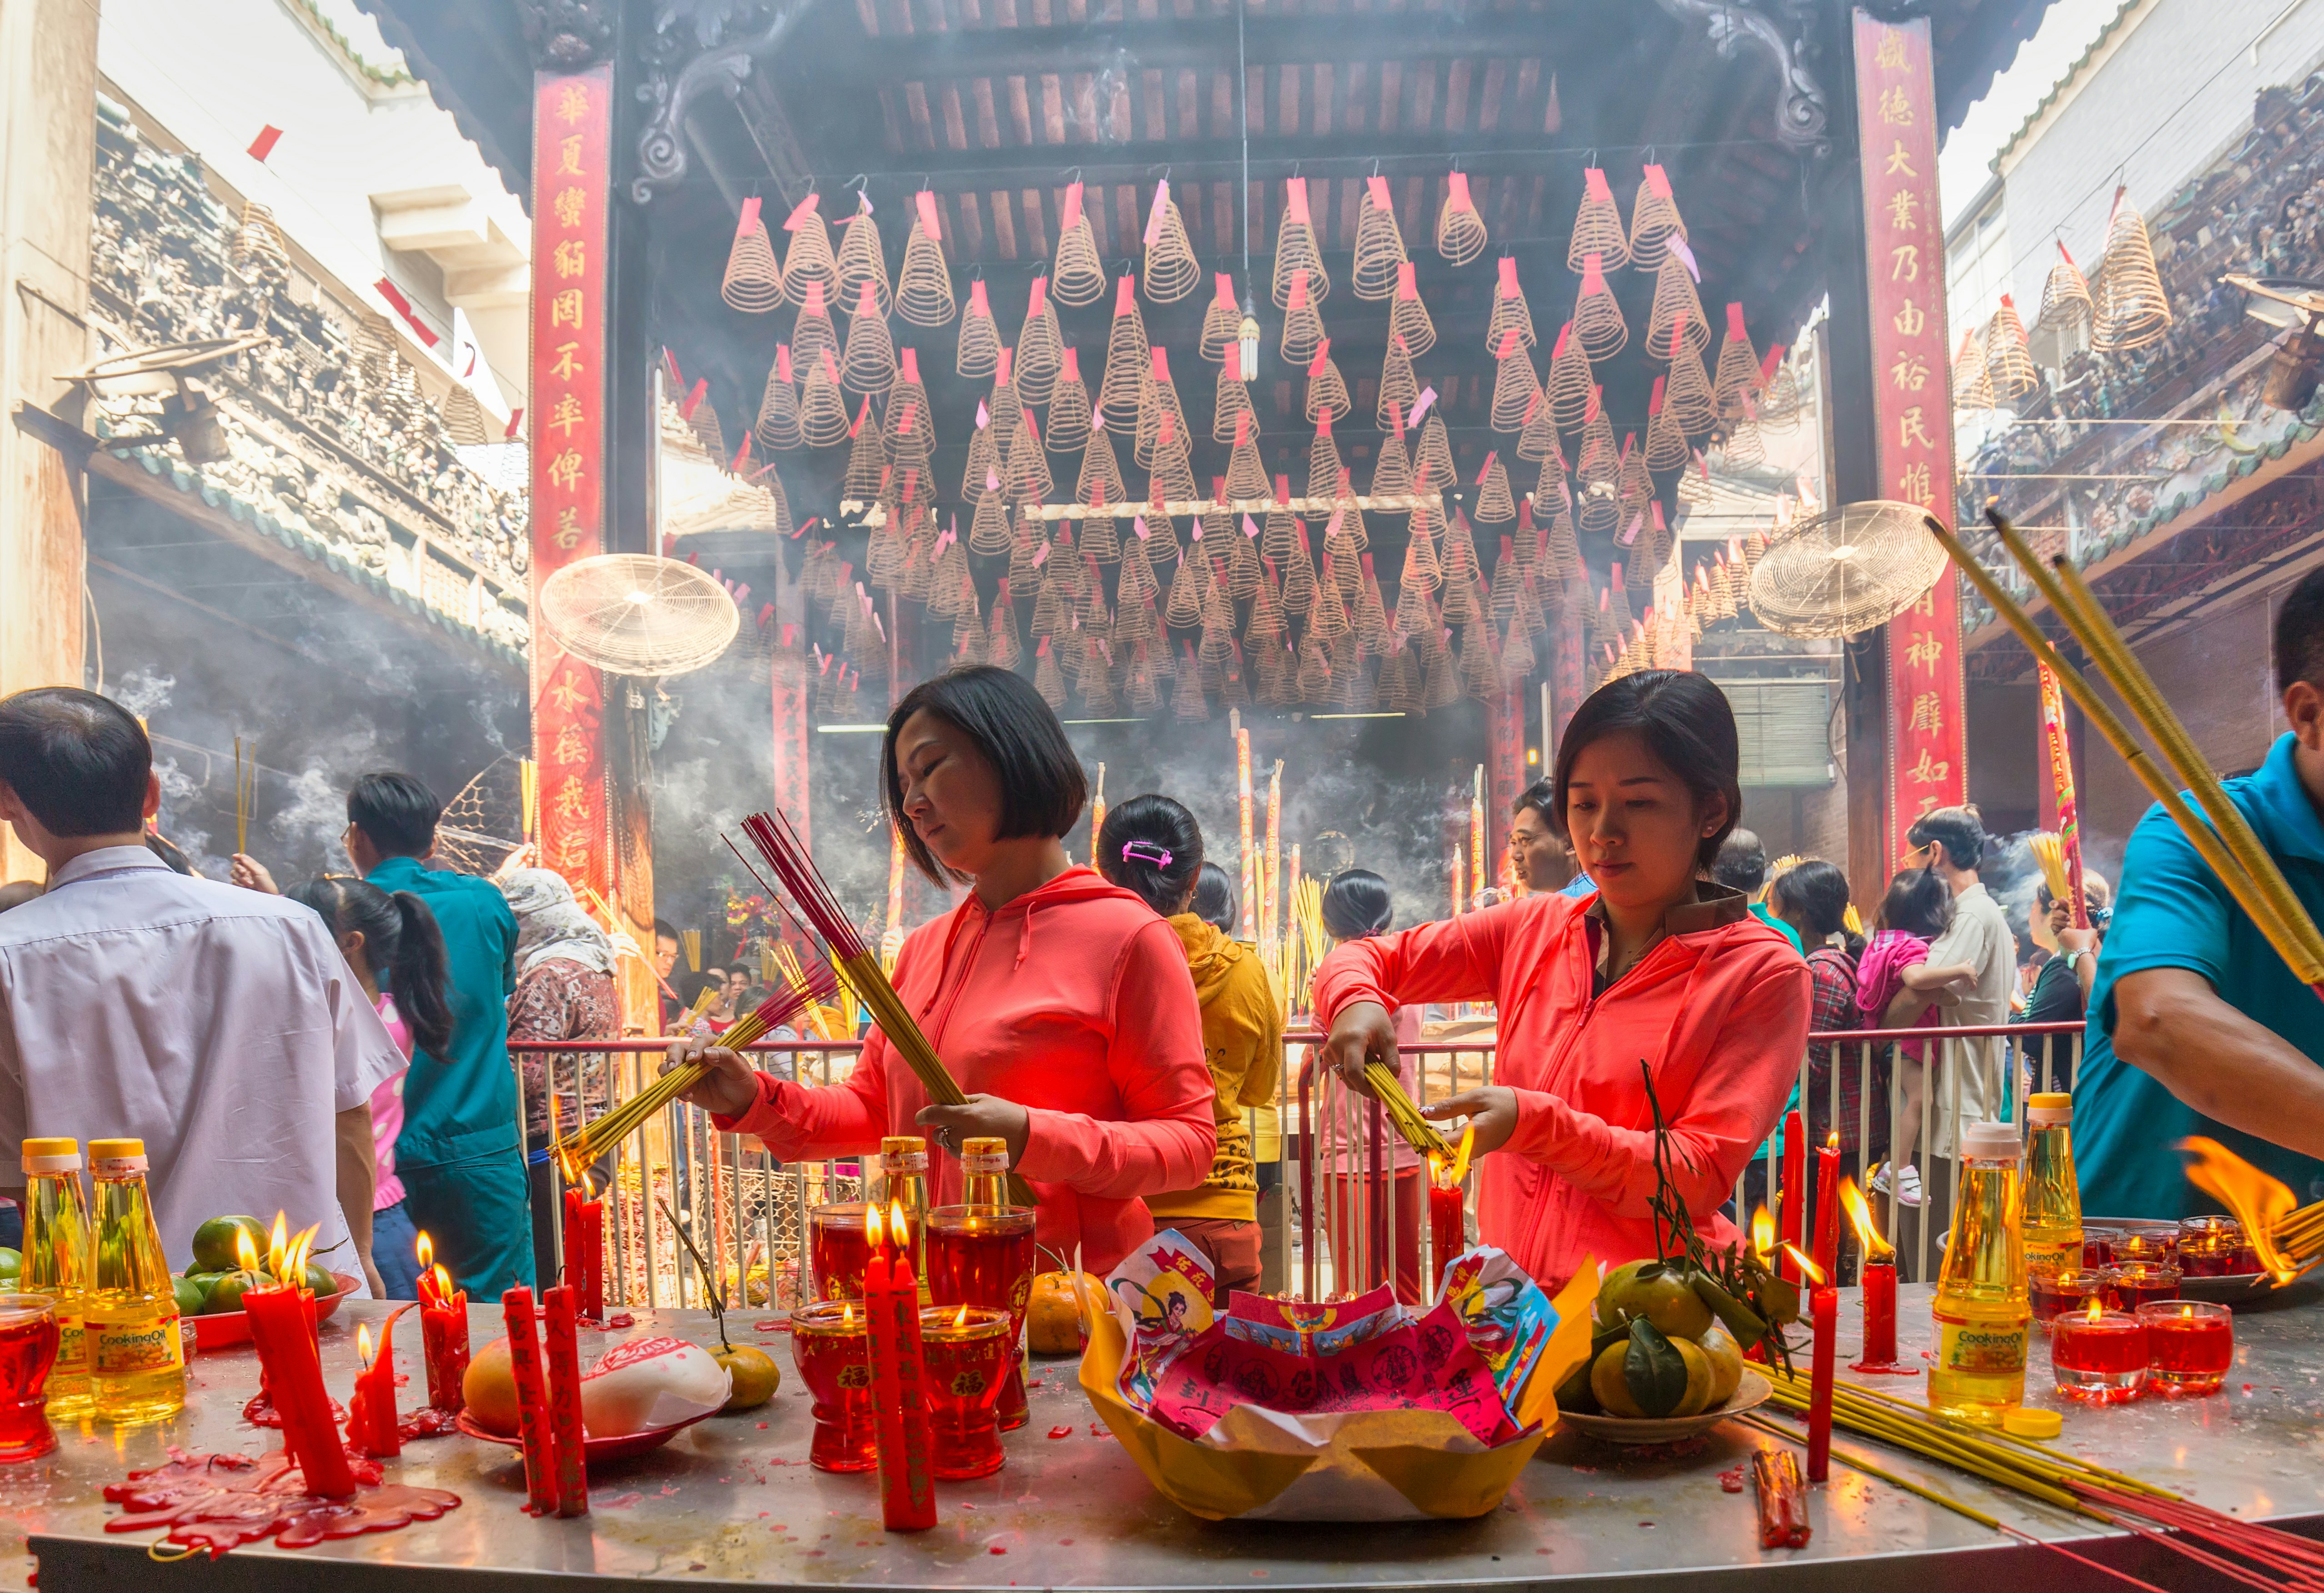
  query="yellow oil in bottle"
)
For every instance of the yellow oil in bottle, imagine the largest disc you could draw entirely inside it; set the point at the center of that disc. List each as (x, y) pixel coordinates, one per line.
(2054, 1201)
(984, 1169)
(136, 1361)
(57, 1263)
(1981, 1307)
(904, 1181)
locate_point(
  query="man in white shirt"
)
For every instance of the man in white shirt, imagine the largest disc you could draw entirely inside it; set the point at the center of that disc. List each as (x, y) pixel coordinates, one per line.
(221, 1026)
(1953, 841)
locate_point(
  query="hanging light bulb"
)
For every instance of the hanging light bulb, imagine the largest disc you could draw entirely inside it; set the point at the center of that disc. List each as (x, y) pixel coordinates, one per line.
(1247, 338)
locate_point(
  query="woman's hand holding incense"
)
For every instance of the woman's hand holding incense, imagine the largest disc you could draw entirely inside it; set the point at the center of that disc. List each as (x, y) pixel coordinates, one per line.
(980, 1116)
(1361, 1033)
(730, 1085)
(251, 874)
(1492, 1111)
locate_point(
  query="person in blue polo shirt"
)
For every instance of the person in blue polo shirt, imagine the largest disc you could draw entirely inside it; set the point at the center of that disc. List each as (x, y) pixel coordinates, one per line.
(459, 1155)
(2196, 1026)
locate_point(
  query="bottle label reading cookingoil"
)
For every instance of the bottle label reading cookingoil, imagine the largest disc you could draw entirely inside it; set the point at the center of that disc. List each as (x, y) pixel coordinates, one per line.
(72, 1344)
(150, 1345)
(1979, 1349)
(2043, 1258)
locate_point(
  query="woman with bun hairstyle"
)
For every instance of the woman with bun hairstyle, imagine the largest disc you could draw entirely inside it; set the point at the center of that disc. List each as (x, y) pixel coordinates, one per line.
(1060, 1004)
(1152, 846)
(1658, 964)
(1368, 1222)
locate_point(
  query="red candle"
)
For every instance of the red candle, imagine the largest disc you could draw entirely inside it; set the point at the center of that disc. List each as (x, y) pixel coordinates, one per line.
(1792, 1200)
(592, 1255)
(2190, 1344)
(532, 1403)
(577, 1267)
(563, 1354)
(1823, 1314)
(443, 1331)
(2098, 1355)
(282, 1328)
(1827, 1208)
(1879, 1313)
(1447, 1229)
(371, 1412)
(892, 1305)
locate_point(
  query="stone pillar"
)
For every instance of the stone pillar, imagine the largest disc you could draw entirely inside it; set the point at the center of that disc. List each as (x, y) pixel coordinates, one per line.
(47, 151)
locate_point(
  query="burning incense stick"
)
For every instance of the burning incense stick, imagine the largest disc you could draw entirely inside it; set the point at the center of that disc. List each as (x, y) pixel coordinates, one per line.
(245, 792)
(1418, 1132)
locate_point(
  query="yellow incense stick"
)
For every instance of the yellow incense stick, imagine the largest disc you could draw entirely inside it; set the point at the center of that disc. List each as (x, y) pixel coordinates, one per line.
(1460, 1156)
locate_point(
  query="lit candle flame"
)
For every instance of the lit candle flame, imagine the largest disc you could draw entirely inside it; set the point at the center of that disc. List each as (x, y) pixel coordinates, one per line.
(443, 1283)
(245, 1253)
(1831, 1140)
(896, 1225)
(961, 1320)
(426, 1251)
(1763, 1233)
(846, 1314)
(278, 1245)
(875, 1228)
(1859, 1218)
(2098, 1307)
(1807, 1269)
(2258, 1201)
(363, 1344)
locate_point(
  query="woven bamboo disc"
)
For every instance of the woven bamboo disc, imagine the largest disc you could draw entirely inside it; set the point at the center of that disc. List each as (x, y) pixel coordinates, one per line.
(823, 409)
(1380, 244)
(1571, 382)
(1326, 388)
(1459, 230)
(2009, 361)
(1736, 381)
(1436, 453)
(1688, 398)
(979, 353)
(1537, 438)
(1296, 248)
(1323, 459)
(1666, 444)
(924, 284)
(988, 527)
(2132, 310)
(1677, 312)
(870, 365)
(1157, 402)
(812, 332)
(778, 412)
(1101, 474)
(1496, 505)
(867, 459)
(807, 259)
(2063, 327)
(1654, 220)
(1972, 389)
(1408, 317)
(1598, 325)
(1400, 390)
(1076, 277)
(1128, 359)
(1040, 347)
(982, 472)
(1302, 323)
(1515, 389)
(1231, 402)
(753, 281)
(1391, 470)
(1598, 225)
(861, 259)
(1171, 270)
(1510, 310)
(1026, 468)
(1222, 319)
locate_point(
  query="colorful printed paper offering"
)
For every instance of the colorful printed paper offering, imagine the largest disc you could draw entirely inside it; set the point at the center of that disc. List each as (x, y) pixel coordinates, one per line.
(1348, 1410)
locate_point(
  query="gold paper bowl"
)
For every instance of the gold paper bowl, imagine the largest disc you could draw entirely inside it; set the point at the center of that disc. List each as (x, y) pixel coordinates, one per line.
(1749, 1394)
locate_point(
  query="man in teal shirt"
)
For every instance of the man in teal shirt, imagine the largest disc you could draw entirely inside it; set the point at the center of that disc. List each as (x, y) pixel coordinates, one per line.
(459, 1155)
(2196, 1026)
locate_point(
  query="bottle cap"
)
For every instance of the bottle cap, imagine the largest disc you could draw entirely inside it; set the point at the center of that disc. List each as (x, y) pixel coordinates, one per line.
(51, 1156)
(1992, 1142)
(2025, 1421)
(2050, 1106)
(897, 1145)
(984, 1145)
(51, 1147)
(114, 1150)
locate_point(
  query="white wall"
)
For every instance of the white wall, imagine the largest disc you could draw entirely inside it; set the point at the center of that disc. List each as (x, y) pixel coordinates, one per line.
(211, 73)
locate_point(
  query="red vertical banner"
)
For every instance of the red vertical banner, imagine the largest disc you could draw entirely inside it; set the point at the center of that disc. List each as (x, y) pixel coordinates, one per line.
(1505, 726)
(572, 186)
(1904, 259)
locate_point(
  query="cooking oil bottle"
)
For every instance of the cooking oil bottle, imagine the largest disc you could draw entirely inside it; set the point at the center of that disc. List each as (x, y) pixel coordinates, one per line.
(984, 1168)
(904, 1181)
(1981, 1306)
(57, 1263)
(136, 1358)
(2054, 1202)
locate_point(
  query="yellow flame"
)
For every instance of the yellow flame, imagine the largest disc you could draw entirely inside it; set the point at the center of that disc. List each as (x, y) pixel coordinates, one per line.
(443, 1283)
(1859, 1218)
(960, 1318)
(1807, 1269)
(291, 1268)
(2258, 1201)
(426, 1251)
(245, 1253)
(875, 1228)
(1763, 1233)
(2098, 1307)
(363, 1344)
(278, 1244)
(846, 1314)
(896, 1225)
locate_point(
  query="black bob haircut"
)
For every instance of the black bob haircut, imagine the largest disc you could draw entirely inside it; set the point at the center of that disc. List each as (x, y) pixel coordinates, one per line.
(1153, 828)
(1042, 787)
(1687, 725)
(78, 762)
(397, 811)
(2299, 634)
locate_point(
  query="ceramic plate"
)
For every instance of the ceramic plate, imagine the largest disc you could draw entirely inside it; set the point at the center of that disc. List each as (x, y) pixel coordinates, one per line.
(1750, 1394)
(595, 1449)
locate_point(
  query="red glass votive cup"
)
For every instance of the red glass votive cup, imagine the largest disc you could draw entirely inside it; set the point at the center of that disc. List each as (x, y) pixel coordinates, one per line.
(2067, 1290)
(2147, 1241)
(2100, 1358)
(2099, 1246)
(985, 1256)
(2142, 1282)
(28, 1349)
(2208, 1246)
(839, 1253)
(2190, 1344)
(965, 1358)
(832, 1348)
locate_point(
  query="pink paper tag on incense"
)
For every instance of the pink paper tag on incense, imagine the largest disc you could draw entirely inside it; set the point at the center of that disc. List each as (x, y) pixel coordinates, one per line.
(1037, 297)
(1658, 182)
(1070, 366)
(1457, 191)
(1154, 216)
(1428, 397)
(1408, 280)
(1377, 187)
(983, 418)
(978, 305)
(1138, 524)
(1323, 357)
(1593, 182)
(1125, 296)
(1295, 198)
(1070, 211)
(927, 202)
(800, 212)
(783, 362)
(1594, 275)
(750, 217)
(1655, 404)
(1507, 286)
(1685, 256)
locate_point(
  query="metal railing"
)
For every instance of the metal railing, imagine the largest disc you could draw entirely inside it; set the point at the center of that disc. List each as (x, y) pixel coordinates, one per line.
(1335, 1156)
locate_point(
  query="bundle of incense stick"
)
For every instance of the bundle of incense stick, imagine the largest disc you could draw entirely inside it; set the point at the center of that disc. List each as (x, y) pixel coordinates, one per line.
(1418, 1132)
(579, 1149)
(245, 792)
(857, 963)
(2226, 842)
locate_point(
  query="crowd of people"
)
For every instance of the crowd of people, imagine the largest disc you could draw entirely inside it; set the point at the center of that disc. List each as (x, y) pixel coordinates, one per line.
(339, 1050)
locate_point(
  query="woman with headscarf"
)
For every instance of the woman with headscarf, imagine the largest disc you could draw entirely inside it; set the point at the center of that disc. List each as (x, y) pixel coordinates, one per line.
(564, 992)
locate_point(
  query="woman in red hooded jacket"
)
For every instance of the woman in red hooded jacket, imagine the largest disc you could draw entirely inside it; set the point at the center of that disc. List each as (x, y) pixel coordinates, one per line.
(1060, 1003)
(1659, 966)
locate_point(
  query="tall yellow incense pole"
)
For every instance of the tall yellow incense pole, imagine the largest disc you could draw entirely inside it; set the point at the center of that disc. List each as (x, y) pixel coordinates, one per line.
(1460, 880)
(1270, 907)
(1290, 965)
(1477, 829)
(1250, 918)
(1097, 813)
(2062, 783)
(892, 942)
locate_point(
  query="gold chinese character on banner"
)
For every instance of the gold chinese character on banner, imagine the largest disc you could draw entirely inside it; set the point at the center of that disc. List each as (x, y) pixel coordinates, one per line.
(1904, 211)
(1912, 485)
(1928, 714)
(1910, 320)
(564, 470)
(566, 691)
(1911, 431)
(571, 258)
(570, 205)
(568, 156)
(565, 308)
(1910, 371)
(568, 532)
(566, 414)
(1900, 161)
(1895, 109)
(1926, 605)
(1905, 263)
(1930, 769)
(1925, 651)
(572, 103)
(573, 800)
(571, 746)
(1890, 54)
(568, 363)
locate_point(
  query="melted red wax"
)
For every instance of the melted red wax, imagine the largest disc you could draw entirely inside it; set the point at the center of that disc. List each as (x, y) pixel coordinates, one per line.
(1731, 1481)
(218, 1502)
(1885, 1369)
(620, 1320)
(261, 1411)
(426, 1422)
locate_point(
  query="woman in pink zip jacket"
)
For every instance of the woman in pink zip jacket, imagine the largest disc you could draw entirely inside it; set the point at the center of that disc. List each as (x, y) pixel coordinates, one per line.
(1060, 1004)
(1658, 965)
